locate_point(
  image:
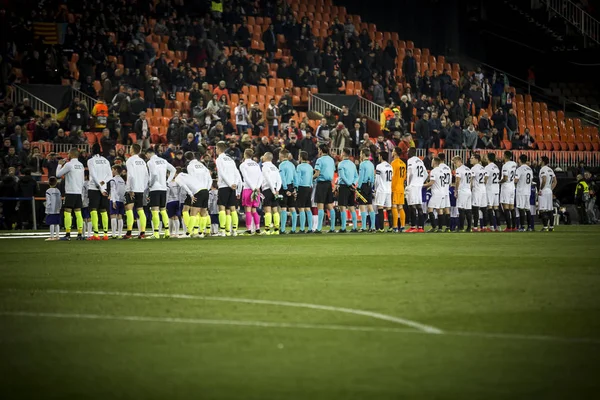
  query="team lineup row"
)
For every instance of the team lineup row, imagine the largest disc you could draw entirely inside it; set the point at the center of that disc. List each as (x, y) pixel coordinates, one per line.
(293, 191)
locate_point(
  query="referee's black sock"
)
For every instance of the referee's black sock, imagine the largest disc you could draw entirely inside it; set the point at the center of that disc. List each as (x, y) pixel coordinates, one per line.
(432, 219)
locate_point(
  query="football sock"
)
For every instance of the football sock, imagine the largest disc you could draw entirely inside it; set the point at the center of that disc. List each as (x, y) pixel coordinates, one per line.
(413, 217)
(234, 220)
(432, 219)
(302, 220)
(165, 221)
(256, 220)
(320, 215)
(461, 218)
(56, 230)
(394, 217)
(143, 221)
(402, 218)
(354, 220)
(68, 222)
(309, 220)
(228, 222)
(79, 222)
(522, 219)
(185, 217)
(363, 219)
(475, 214)
(420, 217)
(248, 220)
(222, 220)
(190, 225)
(470, 218)
(94, 217)
(197, 223)
(294, 219)
(513, 216)
(372, 219)
(120, 226)
(51, 231)
(497, 214)
(343, 220)
(202, 223)
(315, 220)
(528, 219)
(544, 217)
(508, 219)
(104, 217)
(113, 226)
(155, 222)
(332, 218)
(268, 220)
(551, 218)
(380, 218)
(283, 220)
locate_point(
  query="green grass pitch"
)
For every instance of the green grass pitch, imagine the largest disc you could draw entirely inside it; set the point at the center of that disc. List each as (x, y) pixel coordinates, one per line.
(382, 316)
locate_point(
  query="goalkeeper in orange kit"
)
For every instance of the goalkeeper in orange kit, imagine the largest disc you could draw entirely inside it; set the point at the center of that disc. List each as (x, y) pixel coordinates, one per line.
(398, 179)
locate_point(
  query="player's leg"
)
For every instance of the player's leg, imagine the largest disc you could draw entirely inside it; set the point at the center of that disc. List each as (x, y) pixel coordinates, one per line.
(155, 211)
(343, 219)
(276, 218)
(302, 212)
(268, 215)
(233, 214)
(249, 219)
(354, 219)
(203, 221)
(294, 216)
(164, 215)
(402, 215)
(94, 220)
(104, 208)
(68, 221)
(79, 223)
(129, 203)
(329, 201)
(283, 213)
(194, 221)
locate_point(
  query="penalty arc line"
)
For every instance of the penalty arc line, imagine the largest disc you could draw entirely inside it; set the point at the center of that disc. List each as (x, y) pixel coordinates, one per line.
(262, 324)
(375, 315)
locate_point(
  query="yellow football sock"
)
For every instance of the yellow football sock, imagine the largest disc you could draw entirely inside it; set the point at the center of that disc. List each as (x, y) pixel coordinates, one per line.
(155, 221)
(394, 217)
(402, 217)
(202, 224)
(186, 218)
(143, 221)
(268, 220)
(222, 220)
(196, 224)
(68, 221)
(104, 216)
(130, 219)
(207, 222)
(190, 224)
(165, 221)
(234, 220)
(228, 223)
(94, 218)
(79, 222)
(276, 221)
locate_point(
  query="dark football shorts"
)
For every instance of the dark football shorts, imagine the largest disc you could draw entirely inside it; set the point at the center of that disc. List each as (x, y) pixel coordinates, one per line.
(137, 200)
(158, 198)
(73, 201)
(346, 196)
(97, 201)
(324, 193)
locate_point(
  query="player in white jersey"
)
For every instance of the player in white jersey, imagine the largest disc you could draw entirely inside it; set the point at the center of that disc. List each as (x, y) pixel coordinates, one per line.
(73, 173)
(523, 180)
(85, 209)
(383, 192)
(271, 184)
(478, 192)
(197, 186)
(507, 191)
(137, 184)
(439, 182)
(53, 206)
(160, 174)
(416, 174)
(463, 189)
(253, 178)
(492, 188)
(547, 185)
(100, 174)
(228, 177)
(446, 170)
(117, 201)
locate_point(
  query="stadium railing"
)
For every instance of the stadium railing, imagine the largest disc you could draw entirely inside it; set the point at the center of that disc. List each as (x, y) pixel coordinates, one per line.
(32, 200)
(39, 105)
(90, 102)
(576, 16)
(318, 105)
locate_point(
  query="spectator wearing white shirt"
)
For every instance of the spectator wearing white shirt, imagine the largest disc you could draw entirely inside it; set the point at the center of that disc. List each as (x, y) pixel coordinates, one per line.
(241, 117)
(142, 131)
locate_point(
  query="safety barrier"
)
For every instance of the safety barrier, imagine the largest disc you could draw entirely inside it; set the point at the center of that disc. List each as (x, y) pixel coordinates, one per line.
(18, 94)
(32, 200)
(317, 104)
(369, 109)
(90, 102)
(587, 25)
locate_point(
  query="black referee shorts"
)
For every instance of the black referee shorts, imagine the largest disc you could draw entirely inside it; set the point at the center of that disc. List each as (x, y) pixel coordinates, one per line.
(304, 197)
(73, 201)
(269, 199)
(287, 201)
(346, 196)
(324, 193)
(367, 192)
(97, 201)
(201, 199)
(227, 197)
(158, 198)
(137, 200)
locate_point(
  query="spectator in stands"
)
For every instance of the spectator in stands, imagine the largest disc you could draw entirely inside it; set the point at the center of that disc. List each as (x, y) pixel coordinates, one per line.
(35, 162)
(42, 131)
(24, 110)
(269, 39)
(61, 138)
(12, 159)
(517, 142)
(356, 135)
(486, 93)
(100, 114)
(423, 132)
(78, 115)
(8, 188)
(470, 137)
(340, 138)
(51, 163)
(409, 68)
(528, 140)
(25, 152)
(6, 145)
(512, 124)
(176, 133)
(216, 133)
(142, 131)
(26, 187)
(221, 91)
(287, 112)
(484, 123)
(18, 137)
(87, 87)
(453, 92)
(378, 92)
(459, 111)
(137, 104)
(234, 152)
(257, 119)
(107, 143)
(126, 118)
(241, 117)
(406, 109)
(242, 36)
(488, 141)
(273, 118)
(78, 138)
(455, 137)
(189, 144)
(435, 128)
(263, 147)
(308, 145)
(497, 91)
(323, 132)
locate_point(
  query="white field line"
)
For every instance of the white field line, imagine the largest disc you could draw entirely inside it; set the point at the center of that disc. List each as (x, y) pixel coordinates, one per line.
(262, 324)
(375, 315)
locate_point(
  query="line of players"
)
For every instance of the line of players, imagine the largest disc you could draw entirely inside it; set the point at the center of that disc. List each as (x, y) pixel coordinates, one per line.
(289, 190)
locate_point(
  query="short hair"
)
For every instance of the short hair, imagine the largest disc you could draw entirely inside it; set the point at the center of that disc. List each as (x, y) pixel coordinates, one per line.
(324, 149)
(74, 152)
(222, 146)
(383, 154)
(491, 157)
(412, 152)
(398, 151)
(457, 158)
(436, 160)
(248, 153)
(545, 160)
(508, 154)
(284, 153)
(118, 168)
(366, 153)
(268, 156)
(303, 156)
(189, 155)
(523, 158)
(347, 151)
(52, 181)
(95, 150)
(442, 157)
(476, 156)
(150, 150)
(136, 148)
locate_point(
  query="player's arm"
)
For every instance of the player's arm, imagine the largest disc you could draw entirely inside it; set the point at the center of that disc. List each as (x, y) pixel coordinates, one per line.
(517, 175)
(317, 170)
(172, 171)
(430, 182)
(554, 182)
(504, 175)
(62, 170)
(342, 176)
(457, 181)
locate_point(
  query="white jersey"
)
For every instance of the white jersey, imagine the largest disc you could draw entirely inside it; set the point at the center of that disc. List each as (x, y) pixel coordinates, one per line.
(509, 169)
(117, 189)
(173, 192)
(416, 172)
(53, 201)
(137, 175)
(447, 178)
(478, 174)
(100, 173)
(189, 183)
(383, 177)
(158, 169)
(271, 177)
(442, 180)
(493, 183)
(202, 174)
(85, 198)
(546, 172)
(524, 176)
(251, 174)
(464, 173)
(73, 172)
(227, 171)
